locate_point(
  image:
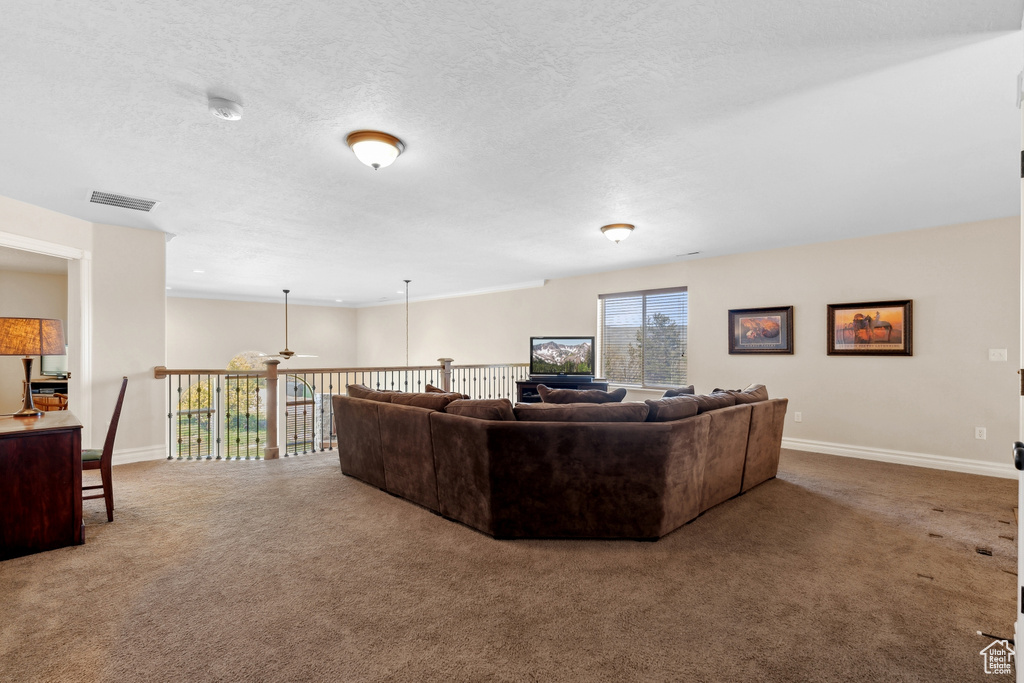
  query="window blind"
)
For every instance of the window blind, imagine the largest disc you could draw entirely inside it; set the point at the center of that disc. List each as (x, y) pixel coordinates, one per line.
(643, 337)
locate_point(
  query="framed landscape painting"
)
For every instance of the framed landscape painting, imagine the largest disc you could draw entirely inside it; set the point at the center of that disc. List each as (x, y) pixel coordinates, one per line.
(761, 330)
(871, 328)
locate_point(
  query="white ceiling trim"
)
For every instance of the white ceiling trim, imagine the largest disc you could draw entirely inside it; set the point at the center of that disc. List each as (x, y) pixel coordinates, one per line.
(9, 239)
(388, 301)
(532, 284)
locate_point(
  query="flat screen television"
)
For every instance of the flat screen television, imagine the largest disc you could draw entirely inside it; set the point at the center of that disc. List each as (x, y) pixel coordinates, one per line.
(54, 366)
(562, 356)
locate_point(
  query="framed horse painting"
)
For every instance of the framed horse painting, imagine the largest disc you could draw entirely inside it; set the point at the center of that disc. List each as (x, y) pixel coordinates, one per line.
(761, 330)
(871, 328)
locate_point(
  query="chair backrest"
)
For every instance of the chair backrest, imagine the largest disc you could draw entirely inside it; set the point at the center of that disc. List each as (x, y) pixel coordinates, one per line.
(108, 445)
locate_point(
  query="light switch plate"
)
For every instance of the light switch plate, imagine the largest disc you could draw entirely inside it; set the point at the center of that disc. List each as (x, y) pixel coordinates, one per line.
(997, 354)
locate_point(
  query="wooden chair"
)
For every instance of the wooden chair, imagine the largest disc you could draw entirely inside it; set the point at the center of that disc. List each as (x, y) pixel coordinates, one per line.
(99, 459)
(50, 402)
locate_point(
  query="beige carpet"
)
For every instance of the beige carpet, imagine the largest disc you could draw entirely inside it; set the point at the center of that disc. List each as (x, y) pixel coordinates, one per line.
(839, 570)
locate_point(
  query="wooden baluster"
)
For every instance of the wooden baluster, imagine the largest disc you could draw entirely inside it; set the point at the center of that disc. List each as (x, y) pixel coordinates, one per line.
(272, 450)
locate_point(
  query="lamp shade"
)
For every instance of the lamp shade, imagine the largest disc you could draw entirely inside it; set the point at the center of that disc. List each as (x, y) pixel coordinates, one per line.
(31, 337)
(374, 148)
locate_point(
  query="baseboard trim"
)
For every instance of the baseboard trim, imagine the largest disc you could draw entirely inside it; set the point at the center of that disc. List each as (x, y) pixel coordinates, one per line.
(935, 462)
(127, 455)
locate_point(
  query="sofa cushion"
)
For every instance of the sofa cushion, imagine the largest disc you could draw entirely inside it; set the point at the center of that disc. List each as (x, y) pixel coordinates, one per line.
(549, 395)
(431, 389)
(424, 400)
(680, 391)
(363, 391)
(714, 401)
(672, 408)
(581, 412)
(482, 409)
(752, 394)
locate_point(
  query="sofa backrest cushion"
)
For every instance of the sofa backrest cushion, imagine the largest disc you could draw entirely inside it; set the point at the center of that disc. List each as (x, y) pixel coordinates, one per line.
(424, 400)
(672, 408)
(431, 389)
(714, 401)
(752, 394)
(549, 395)
(680, 391)
(363, 391)
(482, 409)
(581, 412)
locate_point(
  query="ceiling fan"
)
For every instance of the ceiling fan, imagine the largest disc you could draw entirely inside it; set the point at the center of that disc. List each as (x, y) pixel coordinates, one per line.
(286, 353)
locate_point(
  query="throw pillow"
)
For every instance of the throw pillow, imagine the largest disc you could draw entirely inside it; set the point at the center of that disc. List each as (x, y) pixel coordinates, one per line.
(482, 409)
(549, 395)
(431, 389)
(680, 391)
(363, 391)
(752, 394)
(672, 408)
(714, 401)
(581, 412)
(432, 401)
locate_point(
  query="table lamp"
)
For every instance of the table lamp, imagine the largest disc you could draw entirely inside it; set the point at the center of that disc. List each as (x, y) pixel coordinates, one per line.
(30, 337)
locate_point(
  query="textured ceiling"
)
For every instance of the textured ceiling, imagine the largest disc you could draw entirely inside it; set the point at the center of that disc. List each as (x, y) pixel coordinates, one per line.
(714, 127)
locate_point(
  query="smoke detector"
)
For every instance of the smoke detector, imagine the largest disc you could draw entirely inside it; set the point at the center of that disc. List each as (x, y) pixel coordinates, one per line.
(225, 109)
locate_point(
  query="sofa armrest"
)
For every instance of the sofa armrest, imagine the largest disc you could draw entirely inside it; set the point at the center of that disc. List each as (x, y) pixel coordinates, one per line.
(359, 446)
(764, 444)
(726, 453)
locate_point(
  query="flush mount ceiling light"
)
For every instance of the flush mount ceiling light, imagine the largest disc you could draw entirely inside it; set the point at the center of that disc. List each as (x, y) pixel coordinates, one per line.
(375, 149)
(225, 109)
(617, 232)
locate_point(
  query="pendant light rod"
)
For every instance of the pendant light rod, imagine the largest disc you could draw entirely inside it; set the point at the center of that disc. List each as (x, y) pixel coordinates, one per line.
(287, 353)
(407, 322)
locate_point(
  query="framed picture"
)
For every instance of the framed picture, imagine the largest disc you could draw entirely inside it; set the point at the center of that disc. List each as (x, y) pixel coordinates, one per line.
(871, 328)
(761, 330)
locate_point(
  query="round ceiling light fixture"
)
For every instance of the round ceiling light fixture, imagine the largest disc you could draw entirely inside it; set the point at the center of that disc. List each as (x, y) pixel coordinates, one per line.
(226, 110)
(617, 232)
(374, 148)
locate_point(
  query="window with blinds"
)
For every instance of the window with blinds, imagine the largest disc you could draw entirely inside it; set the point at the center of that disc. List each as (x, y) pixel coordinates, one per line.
(643, 337)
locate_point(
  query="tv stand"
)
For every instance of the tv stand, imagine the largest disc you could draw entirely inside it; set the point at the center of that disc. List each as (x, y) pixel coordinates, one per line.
(526, 390)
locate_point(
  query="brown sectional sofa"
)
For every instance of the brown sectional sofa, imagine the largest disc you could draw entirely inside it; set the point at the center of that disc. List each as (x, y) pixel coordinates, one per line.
(536, 479)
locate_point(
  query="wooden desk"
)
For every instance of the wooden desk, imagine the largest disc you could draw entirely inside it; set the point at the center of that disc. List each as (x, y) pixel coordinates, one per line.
(40, 483)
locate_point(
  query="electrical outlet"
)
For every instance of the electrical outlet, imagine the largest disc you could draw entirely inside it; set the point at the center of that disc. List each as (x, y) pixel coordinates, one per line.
(798, 417)
(979, 433)
(997, 354)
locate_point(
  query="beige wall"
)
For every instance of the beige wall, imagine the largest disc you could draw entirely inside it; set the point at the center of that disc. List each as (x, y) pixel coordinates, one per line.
(115, 307)
(207, 333)
(32, 221)
(28, 295)
(129, 334)
(964, 281)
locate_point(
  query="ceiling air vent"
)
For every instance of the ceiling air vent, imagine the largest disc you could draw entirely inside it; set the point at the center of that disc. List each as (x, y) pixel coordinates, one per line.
(123, 201)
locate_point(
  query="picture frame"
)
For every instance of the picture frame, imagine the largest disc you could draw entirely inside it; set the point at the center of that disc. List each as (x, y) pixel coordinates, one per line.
(871, 328)
(761, 330)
